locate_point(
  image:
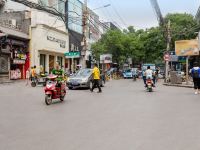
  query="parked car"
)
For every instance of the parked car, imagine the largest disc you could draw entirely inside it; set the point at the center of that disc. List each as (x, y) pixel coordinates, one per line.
(135, 72)
(82, 79)
(127, 74)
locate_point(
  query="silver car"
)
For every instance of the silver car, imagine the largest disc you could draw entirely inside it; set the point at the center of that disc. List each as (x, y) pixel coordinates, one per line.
(82, 79)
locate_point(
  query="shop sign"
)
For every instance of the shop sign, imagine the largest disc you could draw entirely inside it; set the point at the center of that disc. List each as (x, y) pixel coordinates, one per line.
(18, 61)
(187, 48)
(173, 57)
(106, 58)
(61, 42)
(72, 55)
(182, 59)
(20, 56)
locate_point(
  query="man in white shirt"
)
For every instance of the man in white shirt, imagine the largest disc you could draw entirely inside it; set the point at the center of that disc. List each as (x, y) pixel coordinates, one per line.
(149, 73)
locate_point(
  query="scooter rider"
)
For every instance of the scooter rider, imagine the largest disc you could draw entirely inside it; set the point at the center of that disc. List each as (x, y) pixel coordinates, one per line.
(59, 72)
(149, 74)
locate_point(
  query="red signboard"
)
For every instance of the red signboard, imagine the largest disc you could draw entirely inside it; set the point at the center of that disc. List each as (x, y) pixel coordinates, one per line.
(166, 57)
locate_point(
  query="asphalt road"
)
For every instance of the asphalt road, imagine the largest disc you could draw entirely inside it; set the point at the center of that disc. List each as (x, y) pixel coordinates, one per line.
(123, 117)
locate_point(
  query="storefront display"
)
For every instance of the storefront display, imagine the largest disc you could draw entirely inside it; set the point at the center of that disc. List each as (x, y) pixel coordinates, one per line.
(15, 74)
(18, 62)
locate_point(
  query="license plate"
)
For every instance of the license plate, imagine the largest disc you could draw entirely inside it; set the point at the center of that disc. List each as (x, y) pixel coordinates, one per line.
(74, 83)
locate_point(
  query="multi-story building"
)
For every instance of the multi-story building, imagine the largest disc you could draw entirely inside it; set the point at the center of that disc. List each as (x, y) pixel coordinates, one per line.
(93, 34)
(14, 54)
(75, 26)
(49, 39)
(111, 25)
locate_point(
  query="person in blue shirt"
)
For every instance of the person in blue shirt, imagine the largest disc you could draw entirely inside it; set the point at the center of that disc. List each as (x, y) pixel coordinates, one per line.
(196, 77)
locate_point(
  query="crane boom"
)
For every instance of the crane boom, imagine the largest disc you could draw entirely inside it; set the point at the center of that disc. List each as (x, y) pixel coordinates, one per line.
(157, 10)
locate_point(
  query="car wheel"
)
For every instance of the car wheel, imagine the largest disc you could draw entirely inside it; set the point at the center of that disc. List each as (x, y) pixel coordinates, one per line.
(90, 84)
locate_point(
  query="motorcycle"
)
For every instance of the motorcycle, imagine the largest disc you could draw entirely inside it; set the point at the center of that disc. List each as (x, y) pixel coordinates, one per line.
(39, 80)
(54, 90)
(149, 85)
(134, 77)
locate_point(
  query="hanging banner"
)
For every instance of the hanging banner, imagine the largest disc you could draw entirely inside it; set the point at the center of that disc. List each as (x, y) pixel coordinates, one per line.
(187, 48)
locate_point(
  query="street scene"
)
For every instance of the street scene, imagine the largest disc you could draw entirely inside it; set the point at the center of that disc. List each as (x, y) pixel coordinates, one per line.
(99, 75)
(124, 116)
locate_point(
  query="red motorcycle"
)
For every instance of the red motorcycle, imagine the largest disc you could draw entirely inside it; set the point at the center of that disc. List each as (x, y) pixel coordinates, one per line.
(54, 90)
(149, 85)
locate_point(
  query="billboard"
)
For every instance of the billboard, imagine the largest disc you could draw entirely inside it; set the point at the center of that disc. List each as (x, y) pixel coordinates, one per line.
(106, 58)
(187, 48)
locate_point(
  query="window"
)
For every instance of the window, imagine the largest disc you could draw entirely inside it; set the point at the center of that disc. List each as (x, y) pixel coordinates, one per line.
(43, 2)
(43, 61)
(60, 61)
(61, 6)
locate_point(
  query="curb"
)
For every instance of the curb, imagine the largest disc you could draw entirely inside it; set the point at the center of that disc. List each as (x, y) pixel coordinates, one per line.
(6, 82)
(178, 85)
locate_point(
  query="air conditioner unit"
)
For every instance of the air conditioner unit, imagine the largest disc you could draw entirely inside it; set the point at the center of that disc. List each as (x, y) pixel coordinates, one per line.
(12, 23)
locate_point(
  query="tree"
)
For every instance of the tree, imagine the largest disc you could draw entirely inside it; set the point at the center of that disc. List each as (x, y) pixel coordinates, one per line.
(145, 46)
(183, 27)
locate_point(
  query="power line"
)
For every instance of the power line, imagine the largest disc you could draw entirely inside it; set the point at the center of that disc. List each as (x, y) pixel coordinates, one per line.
(117, 13)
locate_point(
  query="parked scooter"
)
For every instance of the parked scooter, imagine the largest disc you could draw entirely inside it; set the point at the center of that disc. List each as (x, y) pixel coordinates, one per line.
(39, 80)
(54, 90)
(149, 85)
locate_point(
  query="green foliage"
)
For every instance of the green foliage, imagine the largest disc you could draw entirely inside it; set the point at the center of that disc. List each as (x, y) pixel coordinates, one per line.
(183, 27)
(145, 46)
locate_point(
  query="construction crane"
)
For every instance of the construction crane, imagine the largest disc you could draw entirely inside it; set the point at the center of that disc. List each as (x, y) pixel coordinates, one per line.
(166, 31)
(156, 8)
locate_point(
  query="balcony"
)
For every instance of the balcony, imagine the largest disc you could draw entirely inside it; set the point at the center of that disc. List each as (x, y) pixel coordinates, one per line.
(2, 2)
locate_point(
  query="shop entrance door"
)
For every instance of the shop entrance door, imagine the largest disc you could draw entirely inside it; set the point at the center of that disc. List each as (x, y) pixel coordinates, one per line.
(51, 63)
(3, 64)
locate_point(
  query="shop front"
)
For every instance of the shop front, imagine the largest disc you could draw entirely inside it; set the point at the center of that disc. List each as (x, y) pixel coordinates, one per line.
(19, 59)
(46, 52)
(14, 57)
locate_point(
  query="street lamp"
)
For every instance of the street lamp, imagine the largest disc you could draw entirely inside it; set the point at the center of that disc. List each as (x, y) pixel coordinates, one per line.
(102, 7)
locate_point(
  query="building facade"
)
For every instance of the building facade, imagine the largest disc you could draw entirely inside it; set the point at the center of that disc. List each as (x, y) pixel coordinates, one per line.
(14, 58)
(75, 18)
(49, 49)
(49, 39)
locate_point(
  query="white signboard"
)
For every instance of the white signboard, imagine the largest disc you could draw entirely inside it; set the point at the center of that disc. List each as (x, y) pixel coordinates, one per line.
(106, 58)
(18, 61)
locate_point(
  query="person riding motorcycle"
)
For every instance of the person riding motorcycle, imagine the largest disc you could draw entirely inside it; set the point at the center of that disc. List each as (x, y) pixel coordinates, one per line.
(59, 72)
(149, 74)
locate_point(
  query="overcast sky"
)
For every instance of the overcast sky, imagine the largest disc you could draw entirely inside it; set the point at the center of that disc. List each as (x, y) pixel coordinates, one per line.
(139, 13)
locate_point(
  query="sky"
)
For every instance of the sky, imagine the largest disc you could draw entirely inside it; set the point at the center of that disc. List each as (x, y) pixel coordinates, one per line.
(139, 13)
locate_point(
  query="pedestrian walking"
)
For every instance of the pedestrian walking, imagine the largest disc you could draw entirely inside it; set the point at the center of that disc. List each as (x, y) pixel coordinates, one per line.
(196, 77)
(33, 73)
(96, 78)
(27, 76)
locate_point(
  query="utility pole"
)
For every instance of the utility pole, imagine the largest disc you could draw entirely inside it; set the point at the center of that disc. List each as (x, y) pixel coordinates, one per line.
(85, 26)
(168, 49)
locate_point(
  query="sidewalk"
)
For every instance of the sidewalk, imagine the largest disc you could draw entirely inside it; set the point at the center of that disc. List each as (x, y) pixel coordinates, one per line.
(3, 81)
(190, 85)
(7, 81)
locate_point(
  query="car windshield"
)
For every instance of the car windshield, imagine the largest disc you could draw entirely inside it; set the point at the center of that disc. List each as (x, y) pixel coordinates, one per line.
(129, 70)
(84, 73)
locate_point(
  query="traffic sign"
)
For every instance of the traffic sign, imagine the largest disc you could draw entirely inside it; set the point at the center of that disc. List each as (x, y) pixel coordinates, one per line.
(166, 57)
(72, 55)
